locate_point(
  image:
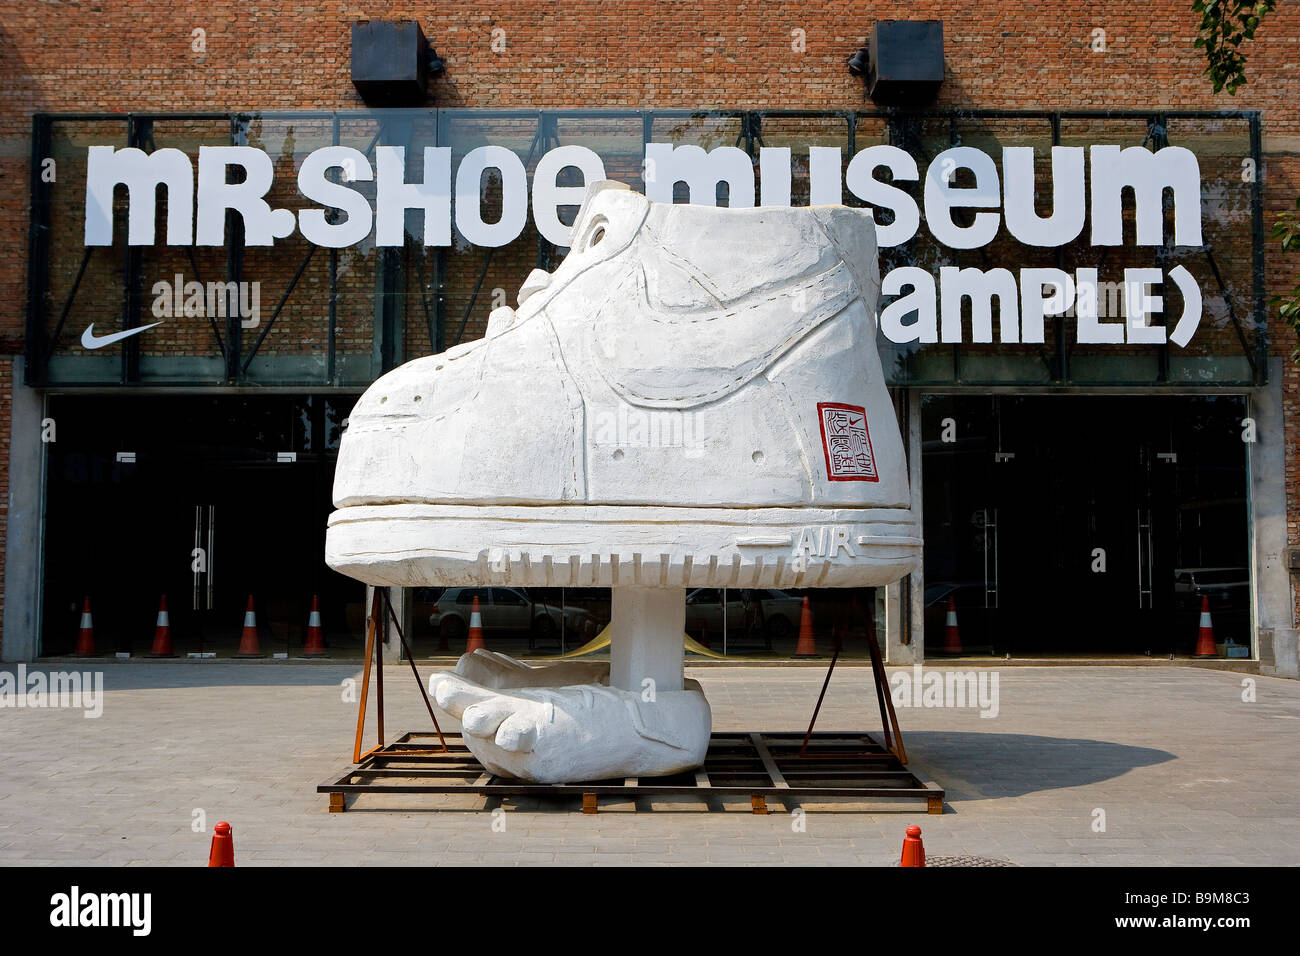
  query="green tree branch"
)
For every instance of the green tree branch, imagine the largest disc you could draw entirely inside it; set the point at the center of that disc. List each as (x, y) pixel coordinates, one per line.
(1225, 26)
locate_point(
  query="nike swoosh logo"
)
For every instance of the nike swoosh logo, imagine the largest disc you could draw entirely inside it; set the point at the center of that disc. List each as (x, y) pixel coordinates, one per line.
(89, 340)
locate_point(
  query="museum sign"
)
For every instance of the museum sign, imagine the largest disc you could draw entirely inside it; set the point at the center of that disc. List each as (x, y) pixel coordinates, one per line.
(1087, 189)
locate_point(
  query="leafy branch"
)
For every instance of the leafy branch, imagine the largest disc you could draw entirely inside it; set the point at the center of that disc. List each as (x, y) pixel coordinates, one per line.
(1286, 230)
(1225, 26)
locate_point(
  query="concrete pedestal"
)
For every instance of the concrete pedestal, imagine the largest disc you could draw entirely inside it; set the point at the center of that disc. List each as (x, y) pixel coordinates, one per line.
(647, 638)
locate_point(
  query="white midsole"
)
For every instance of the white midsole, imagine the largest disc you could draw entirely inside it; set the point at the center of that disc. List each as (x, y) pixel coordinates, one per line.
(415, 545)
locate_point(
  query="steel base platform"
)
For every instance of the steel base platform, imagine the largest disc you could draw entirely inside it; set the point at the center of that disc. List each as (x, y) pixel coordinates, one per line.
(843, 765)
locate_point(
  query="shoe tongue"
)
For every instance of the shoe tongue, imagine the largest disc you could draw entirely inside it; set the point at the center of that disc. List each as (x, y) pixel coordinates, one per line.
(500, 320)
(537, 280)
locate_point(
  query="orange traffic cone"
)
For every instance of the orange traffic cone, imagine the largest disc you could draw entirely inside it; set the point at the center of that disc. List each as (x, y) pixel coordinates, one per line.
(475, 629)
(1205, 637)
(86, 635)
(223, 846)
(162, 632)
(315, 646)
(249, 646)
(807, 646)
(951, 635)
(913, 849)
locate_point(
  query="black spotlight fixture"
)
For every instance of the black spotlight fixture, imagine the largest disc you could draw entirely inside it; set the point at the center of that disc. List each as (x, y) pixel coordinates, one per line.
(902, 63)
(392, 62)
(436, 66)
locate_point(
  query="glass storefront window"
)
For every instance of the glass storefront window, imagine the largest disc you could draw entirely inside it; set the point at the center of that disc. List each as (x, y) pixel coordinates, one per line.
(203, 500)
(1084, 525)
(760, 623)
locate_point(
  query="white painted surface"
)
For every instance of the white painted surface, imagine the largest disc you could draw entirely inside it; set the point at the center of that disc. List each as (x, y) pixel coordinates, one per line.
(676, 359)
(693, 398)
(645, 650)
(560, 734)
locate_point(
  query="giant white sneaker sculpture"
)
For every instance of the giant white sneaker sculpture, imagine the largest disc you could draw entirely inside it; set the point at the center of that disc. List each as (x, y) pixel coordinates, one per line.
(693, 398)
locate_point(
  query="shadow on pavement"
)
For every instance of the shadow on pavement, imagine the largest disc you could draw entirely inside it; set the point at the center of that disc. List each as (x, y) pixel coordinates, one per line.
(973, 766)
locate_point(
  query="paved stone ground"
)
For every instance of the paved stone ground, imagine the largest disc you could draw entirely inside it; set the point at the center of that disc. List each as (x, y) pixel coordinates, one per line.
(1184, 770)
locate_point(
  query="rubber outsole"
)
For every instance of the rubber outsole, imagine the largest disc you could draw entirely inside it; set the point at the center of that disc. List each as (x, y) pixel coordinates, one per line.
(421, 545)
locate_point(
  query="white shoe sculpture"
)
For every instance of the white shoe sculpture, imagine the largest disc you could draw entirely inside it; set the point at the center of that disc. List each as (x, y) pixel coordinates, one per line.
(693, 398)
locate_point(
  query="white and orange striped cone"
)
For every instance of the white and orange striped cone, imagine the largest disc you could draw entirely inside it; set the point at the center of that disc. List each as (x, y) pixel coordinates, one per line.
(807, 643)
(475, 629)
(249, 645)
(951, 634)
(86, 633)
(1205, 636)
(162, 632)
(315, 646)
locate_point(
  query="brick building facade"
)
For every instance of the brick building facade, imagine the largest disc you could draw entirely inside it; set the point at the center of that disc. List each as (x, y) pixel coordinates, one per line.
(227, 57)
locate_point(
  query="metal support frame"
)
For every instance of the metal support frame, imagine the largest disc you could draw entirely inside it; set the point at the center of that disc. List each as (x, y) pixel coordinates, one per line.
(139, 135)
(380, 604)
(235, 265)
(893, 735)
(744, 764)
(36, 348)
(789, 765)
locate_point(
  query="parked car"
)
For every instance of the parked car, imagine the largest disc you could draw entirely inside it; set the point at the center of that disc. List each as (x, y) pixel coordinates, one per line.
(779, 612)
(1225, 587)
(509, 609)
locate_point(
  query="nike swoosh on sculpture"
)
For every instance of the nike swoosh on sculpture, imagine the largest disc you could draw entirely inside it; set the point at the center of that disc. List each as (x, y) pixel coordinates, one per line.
(89, 340)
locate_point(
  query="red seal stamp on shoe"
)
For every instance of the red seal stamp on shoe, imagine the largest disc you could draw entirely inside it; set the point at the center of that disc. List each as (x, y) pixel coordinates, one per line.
(846, 442)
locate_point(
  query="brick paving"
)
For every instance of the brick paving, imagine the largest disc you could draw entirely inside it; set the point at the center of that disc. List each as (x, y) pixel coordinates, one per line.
(1183, 769)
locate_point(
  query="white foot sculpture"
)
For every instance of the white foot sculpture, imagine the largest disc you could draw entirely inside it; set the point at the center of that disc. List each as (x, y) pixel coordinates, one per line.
(529, 723)
(692, 399)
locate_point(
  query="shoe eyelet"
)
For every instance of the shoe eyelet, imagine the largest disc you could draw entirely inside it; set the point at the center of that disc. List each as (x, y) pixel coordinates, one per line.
(618, 454)
(383, 399)
(757, 457)
(416, 398)
(594, 232)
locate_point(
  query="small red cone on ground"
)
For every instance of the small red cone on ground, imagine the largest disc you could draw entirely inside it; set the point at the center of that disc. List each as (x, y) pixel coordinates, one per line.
(1205, 637)
(223, 846)
(162, 632)
(951, 635)
(249, 645)
(807, 646)
(86, 635)
(315, 646)
(913, 849)
(475, 629)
